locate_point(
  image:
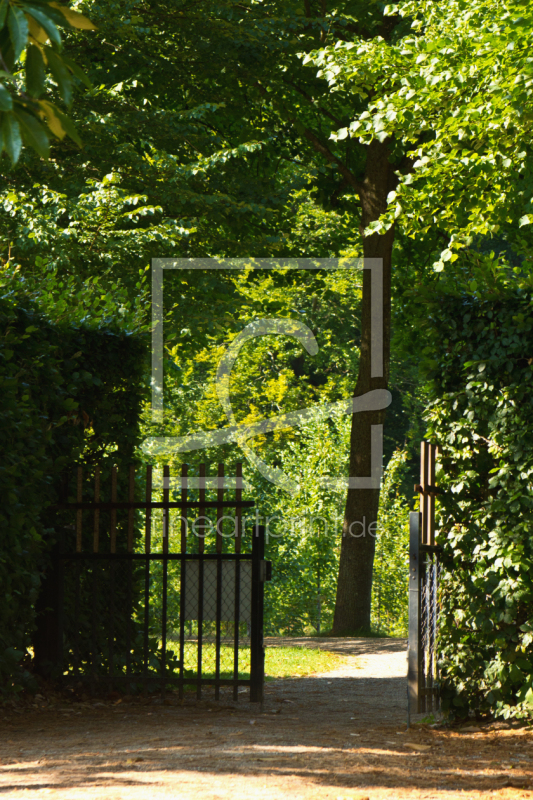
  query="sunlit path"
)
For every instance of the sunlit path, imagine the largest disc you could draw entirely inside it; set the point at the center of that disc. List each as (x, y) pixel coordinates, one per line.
(337, 735)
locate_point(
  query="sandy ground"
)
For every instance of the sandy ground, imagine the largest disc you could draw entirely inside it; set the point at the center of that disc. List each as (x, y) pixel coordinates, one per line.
(334, 736)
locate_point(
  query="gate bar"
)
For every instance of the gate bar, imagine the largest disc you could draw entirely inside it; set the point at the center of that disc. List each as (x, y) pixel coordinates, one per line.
(183, 571)
(414, 653)
(201, 495)
(147, 551)
(257, 654)
(166, 534)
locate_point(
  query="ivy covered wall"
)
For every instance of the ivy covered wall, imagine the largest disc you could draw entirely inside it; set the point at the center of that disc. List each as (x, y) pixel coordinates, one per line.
(479, 360)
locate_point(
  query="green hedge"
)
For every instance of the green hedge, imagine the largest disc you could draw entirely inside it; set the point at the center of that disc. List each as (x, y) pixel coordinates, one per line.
(480, 365)
(69, 393)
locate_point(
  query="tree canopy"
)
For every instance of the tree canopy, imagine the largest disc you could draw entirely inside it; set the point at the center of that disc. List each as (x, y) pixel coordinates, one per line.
(455, 93)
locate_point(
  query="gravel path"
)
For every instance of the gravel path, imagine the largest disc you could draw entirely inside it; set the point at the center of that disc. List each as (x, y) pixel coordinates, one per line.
(373, 682)
(337, 736)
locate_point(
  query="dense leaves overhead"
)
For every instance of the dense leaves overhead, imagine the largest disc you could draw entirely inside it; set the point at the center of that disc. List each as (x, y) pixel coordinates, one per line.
(456, 92)
(208, 109)
(31, 54)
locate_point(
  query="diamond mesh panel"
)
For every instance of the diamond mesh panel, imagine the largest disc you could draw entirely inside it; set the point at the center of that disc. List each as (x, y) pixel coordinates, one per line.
(219, 594)
(428, 630)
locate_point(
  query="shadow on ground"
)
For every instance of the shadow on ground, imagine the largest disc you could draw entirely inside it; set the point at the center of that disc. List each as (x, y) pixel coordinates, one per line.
(324, 736)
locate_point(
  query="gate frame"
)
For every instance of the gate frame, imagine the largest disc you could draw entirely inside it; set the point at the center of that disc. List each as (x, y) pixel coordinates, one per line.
(50, 637)
(422, 671)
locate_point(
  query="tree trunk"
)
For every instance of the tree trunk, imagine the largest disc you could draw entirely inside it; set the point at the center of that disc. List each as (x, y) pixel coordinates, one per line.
(354, 586)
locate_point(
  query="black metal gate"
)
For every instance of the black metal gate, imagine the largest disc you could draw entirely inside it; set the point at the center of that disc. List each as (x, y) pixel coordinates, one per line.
(142, 597)
(422, 688)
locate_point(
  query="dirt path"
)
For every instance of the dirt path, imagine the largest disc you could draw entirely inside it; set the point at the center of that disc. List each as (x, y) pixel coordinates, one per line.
(378, 695)
(335, 736)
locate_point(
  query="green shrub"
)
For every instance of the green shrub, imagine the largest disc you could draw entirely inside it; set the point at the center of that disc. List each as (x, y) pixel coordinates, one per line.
(69, 393)
(480, 362)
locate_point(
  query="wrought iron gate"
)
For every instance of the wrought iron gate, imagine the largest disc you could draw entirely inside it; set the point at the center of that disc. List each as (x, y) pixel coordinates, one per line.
(422, 679)
(140, 597)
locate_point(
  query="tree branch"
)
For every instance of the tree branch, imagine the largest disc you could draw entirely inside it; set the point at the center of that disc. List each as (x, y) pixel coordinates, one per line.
(324, 150)
(312, 101)
(318, 145)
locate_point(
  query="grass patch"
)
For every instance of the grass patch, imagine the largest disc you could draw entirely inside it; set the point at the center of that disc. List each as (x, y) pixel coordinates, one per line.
(296, 662)
(280, 662)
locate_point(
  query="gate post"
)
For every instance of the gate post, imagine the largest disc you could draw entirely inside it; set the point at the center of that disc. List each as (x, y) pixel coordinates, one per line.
(414, 655)
(257, 652)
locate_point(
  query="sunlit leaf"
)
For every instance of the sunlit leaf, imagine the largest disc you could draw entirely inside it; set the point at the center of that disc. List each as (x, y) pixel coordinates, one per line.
(74, 18)
(44, 21)
(36, 30)
(59, 123)
(52, 119)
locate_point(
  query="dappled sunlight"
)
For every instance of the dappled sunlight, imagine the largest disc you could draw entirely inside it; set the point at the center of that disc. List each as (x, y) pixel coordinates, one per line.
(447, 762)
(341, 734)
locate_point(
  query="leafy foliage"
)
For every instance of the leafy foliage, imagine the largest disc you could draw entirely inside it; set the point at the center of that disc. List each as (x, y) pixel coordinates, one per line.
(69, 392)
(61, 248)
(30, 46)
(304, 531)
(452, 89)
(480, 415)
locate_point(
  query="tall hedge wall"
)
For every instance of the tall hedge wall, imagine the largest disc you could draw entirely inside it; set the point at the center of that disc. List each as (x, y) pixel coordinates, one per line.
(480, 369)
(69, 393)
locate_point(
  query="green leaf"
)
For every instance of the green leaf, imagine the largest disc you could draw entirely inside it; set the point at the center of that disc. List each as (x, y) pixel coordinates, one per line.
(35, 73)
(53, 121)
(6, 101)
(74, 19)
(60, 73)
(46, 23)
(18, 30)
(58, 122)
(69, 128)
(33, 133)
(12, 138)
(4, 5)
(79, 73)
